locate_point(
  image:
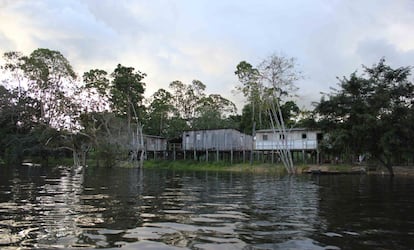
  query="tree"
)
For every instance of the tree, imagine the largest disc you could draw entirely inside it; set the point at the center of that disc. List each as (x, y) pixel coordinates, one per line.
(97, 88)
(279, 74)
(42, 102)
(160, 110)
(371, 114)
(213, 112)
(251, 88)
(186, 98)
(127, 92)
(265, 87)
(290, 111)
(223, 106)
(51, 79)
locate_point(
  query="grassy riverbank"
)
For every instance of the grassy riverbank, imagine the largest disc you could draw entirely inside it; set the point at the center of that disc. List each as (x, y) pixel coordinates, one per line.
(271, 168)
(257, 167)
(189, 165)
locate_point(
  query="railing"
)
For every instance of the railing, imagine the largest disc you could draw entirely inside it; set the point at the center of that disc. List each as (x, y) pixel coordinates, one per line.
(290, 144)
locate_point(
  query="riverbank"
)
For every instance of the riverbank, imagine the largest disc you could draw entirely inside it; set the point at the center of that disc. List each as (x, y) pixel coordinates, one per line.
(257, 167)
(245, 167)
(329, 169)
(188, 165)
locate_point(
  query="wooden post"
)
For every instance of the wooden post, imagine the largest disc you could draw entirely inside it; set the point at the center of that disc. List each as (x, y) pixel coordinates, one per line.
(253, 135)
(273, 156)
(317, 157)
(206, 155)
(303, 156)
(231, 156)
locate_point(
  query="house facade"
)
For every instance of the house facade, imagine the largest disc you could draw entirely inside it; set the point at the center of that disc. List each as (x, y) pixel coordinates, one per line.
(155, 143)
(216, 140)
(295, 139)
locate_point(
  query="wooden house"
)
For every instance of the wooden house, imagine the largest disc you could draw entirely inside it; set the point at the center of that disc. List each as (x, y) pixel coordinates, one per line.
(303, 143)
(155, 147)
(216, 140)
(219, 144)
(294, 139)
(155, 143)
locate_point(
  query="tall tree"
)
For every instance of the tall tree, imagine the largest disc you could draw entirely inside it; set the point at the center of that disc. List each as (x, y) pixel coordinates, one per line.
(371, 114)
(251, 87)
(43, 103)
(187, 98)
(97, 88)
(213, 112)
(160, 110)
(127, 92)
(278, 75)
(51, 79)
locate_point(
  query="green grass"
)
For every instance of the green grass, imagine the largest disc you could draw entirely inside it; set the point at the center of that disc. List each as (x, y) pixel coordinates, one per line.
(189, 165)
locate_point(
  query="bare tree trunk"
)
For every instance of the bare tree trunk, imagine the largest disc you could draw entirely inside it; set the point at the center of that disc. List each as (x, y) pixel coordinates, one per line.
(253, 140)
(276, 117)
(387, 164)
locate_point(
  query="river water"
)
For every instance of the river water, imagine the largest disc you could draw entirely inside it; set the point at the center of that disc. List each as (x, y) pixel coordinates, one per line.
(131, 209)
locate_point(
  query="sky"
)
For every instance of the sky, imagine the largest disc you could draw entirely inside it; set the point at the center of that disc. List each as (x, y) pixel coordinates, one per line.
(205, 40)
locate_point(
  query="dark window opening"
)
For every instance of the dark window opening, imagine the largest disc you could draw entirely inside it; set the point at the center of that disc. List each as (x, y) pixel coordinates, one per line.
(264, 138)
(319, 136)
(304, 136)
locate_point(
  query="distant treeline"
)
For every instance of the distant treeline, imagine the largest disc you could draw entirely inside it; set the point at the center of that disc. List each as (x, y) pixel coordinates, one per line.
(46, 109)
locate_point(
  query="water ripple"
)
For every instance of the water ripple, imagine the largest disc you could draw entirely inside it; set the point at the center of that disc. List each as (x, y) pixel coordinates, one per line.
(125, 208)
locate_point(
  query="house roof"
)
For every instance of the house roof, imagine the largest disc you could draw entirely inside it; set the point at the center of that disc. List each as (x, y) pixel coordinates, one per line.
(210, 129)
(287, 130)
(154, 136)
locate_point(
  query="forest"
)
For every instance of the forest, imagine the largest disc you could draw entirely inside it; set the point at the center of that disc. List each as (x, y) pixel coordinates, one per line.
(49, 111)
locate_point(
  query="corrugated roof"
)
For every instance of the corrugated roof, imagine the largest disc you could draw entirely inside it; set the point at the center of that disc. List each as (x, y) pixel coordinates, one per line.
(287, 130)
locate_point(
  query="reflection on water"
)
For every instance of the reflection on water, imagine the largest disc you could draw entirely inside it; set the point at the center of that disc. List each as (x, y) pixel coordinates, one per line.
(128, 208)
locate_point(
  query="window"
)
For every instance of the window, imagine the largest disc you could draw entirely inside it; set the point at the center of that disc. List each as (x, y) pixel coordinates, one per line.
(265, 138)
(319, 136)
(281, 136)
(304, 136)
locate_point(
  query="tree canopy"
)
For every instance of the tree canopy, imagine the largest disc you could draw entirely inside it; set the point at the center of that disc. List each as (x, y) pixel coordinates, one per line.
(45, 109)
(371, 114)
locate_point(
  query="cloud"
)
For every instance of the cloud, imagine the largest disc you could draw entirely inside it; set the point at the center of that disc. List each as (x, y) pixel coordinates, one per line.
(205, 40)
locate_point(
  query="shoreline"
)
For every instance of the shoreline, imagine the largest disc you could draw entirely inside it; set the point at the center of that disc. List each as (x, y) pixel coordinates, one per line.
(325, 169)
(256, 167)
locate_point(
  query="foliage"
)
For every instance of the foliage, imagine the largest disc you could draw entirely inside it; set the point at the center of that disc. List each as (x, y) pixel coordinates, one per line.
(127, 92)
(289, 110)
(187, 97)
(371, 114)
(198, 110)
(50, 79)
(97, 90)
(251, 88)
(159, 113)
(265, 87)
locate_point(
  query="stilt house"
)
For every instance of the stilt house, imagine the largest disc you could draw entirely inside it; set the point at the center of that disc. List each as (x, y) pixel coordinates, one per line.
(302, 142)
(216, 139)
